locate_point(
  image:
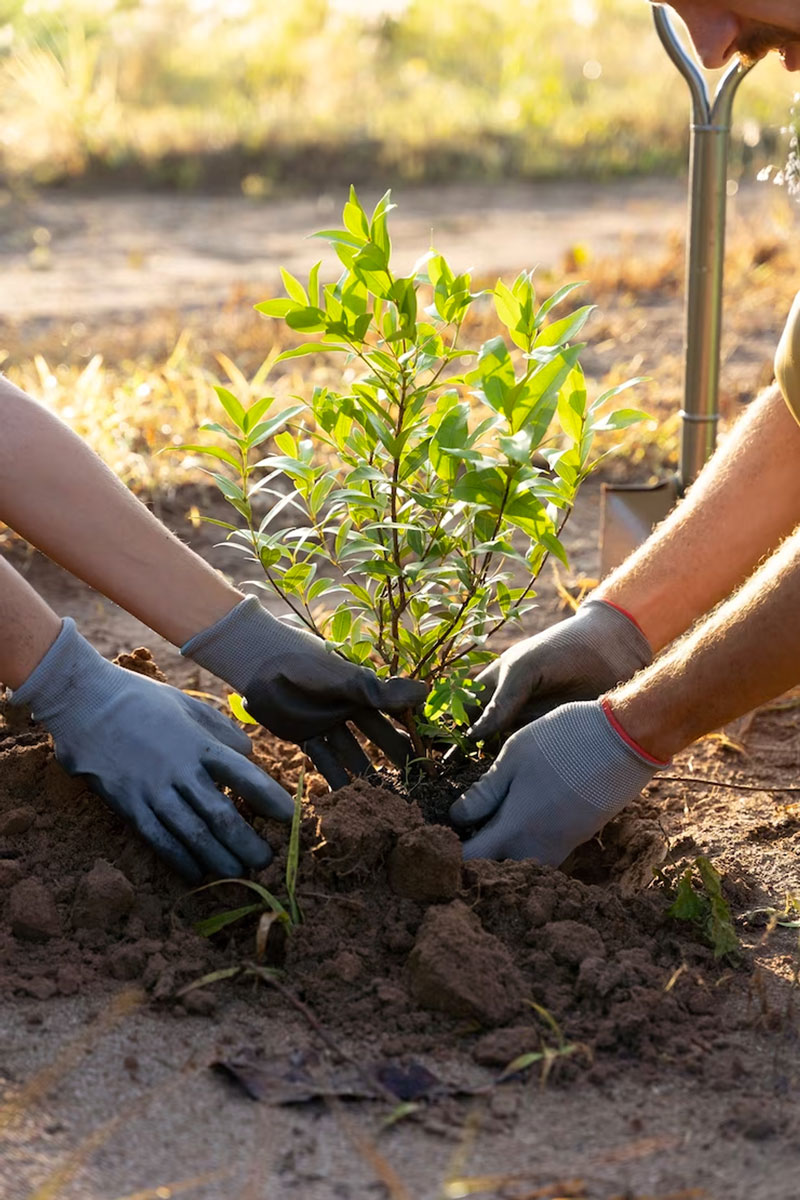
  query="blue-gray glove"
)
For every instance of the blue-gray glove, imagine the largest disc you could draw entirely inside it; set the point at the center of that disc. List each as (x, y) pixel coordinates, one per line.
(577, 659)
(300, 689)
(155, 755)
(554, 785)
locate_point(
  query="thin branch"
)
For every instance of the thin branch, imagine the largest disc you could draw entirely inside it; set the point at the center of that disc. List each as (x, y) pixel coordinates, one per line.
(726, 783)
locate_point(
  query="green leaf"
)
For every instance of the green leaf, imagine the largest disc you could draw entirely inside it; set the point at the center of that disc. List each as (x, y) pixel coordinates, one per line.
(211, 925)
(621, 419)
(276, 308)
(256, 411)
(494, 374)
(296, 578)
(294, 287)
(487, 487)
(270, 901)
(339, 237)
(381, 569)
(360, 652)
(556, 298)
(355, 220)
(529, 515)
(268, 429)
(572, 405)
(313, 284)
(688, 905)
(229, 489)
(722, 934)
(312, 348)
(231, 405)
(341, 624)
(222, 524)
(517, 448)
(536, 404)
(615, 391)
(565, 330)
(212, 451)
(506, 305)
(450, 437)
(238, 709)
(307, 320)
(215, 427)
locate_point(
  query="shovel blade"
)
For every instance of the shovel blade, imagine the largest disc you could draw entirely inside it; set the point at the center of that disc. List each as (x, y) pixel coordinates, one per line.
(628, 514)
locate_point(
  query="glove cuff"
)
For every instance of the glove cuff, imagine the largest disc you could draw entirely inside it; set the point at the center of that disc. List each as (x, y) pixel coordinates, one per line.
(586, 750)
(615, 636)
(236, 647)
(70, 682)
(611, 717)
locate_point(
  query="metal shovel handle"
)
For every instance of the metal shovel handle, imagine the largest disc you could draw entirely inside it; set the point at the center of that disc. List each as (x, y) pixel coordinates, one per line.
(705, 255)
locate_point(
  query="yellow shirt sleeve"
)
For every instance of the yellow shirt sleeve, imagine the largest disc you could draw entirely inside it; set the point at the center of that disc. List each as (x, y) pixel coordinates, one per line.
(787, 360)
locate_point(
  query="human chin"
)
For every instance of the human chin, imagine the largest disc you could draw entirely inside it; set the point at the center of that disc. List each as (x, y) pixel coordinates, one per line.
(791, 56)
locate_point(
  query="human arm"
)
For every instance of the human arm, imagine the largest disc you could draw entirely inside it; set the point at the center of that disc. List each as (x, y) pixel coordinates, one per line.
(28, 627)
(745, 501)
(559, 780)
(153, 753)
(58, 494)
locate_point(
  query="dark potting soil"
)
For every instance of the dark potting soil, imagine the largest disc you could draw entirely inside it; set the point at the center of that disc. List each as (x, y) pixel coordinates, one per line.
(435, 793)
(402, 942)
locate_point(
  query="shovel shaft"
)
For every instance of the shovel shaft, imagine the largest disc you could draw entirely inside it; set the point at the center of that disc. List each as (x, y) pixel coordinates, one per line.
(705, 253)
(705, 264)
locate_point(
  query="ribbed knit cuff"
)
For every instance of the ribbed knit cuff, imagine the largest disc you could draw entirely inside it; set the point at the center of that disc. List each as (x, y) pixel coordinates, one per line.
(613, 720)
(72, 680)
(237, 645)
(619, 630)
(585, 750)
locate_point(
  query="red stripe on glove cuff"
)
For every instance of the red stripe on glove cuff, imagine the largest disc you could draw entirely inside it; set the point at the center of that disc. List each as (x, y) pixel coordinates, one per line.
(626, 737)
(625, 613)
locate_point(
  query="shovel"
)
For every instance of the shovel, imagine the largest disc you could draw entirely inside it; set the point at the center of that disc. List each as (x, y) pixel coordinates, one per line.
(629, 511)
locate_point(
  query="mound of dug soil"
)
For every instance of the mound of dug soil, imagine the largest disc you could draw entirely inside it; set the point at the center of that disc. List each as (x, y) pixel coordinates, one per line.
(401, 940)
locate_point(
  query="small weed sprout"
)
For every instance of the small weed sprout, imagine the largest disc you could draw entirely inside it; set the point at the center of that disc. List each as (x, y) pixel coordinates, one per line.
(271, 910)
(432, 481)
(548, 1055)
(702, 903)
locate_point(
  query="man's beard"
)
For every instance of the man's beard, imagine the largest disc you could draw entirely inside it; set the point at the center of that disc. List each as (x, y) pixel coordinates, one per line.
(757, 42)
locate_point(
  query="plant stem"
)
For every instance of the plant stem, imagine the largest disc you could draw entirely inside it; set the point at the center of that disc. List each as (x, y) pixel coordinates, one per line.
(408, 720)
(504, 620)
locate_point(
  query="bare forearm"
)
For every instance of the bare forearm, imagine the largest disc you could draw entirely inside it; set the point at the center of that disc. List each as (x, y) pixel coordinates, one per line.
(59, 496)
(743, 504)
(28, 627)
(745, 653)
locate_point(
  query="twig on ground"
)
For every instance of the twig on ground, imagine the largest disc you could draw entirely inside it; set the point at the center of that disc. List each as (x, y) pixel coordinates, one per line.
(728, 783)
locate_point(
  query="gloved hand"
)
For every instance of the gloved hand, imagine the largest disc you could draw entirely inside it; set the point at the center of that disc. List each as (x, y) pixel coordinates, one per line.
(301, 690)
(578, 659)
(155, 755)
(553, 786)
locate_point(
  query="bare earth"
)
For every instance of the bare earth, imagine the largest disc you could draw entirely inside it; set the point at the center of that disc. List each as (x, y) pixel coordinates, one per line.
(106, 1094)
(96, 255)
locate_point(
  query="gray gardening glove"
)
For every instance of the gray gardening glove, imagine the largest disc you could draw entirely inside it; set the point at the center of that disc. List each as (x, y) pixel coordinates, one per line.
(155, 755)
(578, 659)
(301, 690)
(553, 786)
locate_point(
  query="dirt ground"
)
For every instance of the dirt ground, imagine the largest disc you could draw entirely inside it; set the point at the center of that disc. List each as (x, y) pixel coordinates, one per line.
(414, 979)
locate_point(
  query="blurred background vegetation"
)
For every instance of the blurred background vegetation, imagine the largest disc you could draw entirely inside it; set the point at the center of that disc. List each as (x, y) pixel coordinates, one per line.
(261, 99)
(260, 96)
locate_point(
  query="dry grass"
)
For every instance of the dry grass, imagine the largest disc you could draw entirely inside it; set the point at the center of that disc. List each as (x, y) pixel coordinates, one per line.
(186, 92)
(134, 391)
